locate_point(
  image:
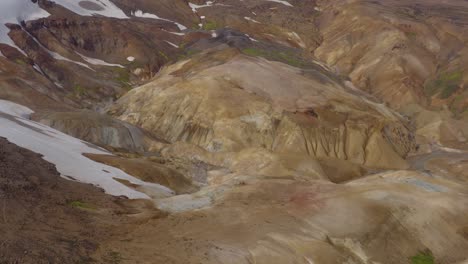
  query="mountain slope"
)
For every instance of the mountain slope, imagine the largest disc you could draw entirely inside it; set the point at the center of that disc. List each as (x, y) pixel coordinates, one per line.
(253, 131)
(232, 102)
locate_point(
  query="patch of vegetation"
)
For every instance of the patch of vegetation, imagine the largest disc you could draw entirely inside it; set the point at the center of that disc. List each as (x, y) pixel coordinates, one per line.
(210, 25)
(448, 91)
(122, 74)
(113, 257)
(411, 34)
(123, 77)
(183, 45)
(195, 26)
(20, 62)
(423, 257)
(79, 90)
(81, 205)
(283, 56)
(289, 59)
(192, 52)
(164, 55)
(456, 103)
(459, 105)
(254, 52)
(445, 85)
(188, 53)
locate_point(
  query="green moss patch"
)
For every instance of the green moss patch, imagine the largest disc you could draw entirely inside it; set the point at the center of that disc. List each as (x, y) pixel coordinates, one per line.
(445, 85)
(188, 53)
(424, 257)
(20, 62)
(210, 25)
(81, 205)
(411, 34)
(164, 55)
(275, 55)
(79, 90)
(123, 75)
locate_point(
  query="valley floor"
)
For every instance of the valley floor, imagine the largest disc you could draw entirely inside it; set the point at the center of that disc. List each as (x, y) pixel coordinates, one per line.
(264, 220)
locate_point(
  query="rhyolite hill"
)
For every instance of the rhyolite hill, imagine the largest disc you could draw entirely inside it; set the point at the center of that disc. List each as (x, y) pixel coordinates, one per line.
(228, 131)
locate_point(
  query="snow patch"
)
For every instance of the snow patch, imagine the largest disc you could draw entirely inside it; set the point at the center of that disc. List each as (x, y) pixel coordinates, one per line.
(172, 44)
(102, 7)
(57, 56)
(251, 20)
(195, 6)
(286, 3)
(94, 61)
(15, 11)
(66, 153)
(140, 13)
(176, 33)
(14, 109)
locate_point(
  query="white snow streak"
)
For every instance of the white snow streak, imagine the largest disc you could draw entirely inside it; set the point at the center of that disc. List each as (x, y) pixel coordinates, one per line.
(66, 153)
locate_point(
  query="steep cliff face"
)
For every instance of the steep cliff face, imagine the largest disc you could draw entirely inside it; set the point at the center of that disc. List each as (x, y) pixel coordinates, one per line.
(233, 102)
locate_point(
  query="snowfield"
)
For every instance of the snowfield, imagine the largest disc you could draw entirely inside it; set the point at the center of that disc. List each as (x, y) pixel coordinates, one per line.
(15, 11)
(66, 153)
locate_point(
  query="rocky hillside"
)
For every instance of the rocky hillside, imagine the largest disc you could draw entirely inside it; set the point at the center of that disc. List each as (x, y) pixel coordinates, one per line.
(231, 102)
(227, 131)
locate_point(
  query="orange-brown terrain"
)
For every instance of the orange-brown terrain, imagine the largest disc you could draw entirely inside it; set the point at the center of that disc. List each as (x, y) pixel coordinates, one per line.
(227, 131)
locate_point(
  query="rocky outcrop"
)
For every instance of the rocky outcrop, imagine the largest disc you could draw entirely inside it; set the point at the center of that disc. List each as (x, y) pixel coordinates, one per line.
(230, 102)
(149, 171)
(98, 129)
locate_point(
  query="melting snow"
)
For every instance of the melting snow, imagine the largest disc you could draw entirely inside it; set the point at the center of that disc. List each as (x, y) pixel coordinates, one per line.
(286, 3)
(251, 20)
(38, 69)
(66, 153)
(195, 6)
(13, 109)
(172, 44)
(15, 11)
(94, 7)
(57, 56)
(98, 61)
(176, 33)
(252, 39)
(140, 13)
